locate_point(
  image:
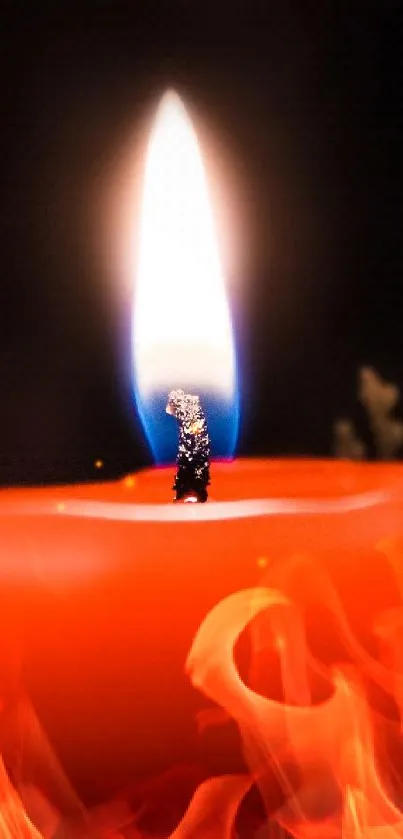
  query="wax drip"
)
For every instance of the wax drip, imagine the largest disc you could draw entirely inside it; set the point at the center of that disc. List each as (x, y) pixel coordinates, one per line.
(193, 460)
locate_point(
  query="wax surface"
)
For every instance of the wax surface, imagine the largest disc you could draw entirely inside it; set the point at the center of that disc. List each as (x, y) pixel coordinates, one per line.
(109, 602)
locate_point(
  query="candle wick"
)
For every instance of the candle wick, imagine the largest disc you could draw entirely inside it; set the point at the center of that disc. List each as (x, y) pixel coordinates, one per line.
(193, 459)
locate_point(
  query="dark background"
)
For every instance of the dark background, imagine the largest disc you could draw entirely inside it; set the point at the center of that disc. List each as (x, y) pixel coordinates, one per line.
(306, 101)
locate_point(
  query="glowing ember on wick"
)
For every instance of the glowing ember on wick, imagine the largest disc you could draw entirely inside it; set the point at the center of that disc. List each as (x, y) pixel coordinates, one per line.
(193, 475)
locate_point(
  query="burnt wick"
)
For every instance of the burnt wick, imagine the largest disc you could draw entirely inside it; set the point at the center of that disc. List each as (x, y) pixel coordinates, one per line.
(193, 459)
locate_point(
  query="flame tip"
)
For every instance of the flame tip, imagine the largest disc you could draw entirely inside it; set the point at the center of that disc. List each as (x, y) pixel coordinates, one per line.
(170, 97)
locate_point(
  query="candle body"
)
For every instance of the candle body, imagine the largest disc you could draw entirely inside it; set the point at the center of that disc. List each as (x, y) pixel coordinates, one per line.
(115, 580)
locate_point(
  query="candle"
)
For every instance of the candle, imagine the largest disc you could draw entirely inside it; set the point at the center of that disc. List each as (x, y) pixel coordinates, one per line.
(117, 580)
(120, 587)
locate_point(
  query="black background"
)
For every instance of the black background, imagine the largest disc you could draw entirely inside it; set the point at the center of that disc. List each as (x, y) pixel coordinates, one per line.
(305, 99)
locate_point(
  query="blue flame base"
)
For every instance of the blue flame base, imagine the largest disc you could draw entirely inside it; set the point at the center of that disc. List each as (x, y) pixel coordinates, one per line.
(162, 431)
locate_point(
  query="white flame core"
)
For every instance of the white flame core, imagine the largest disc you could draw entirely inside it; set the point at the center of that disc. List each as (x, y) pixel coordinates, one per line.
(182, 328)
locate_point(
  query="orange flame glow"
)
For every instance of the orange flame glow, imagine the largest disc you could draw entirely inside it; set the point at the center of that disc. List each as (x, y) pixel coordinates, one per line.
(13, 817)
(319, 742)
(323, 741)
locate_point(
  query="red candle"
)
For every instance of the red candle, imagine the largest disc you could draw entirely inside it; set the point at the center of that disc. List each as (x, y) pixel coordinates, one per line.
(117, 581)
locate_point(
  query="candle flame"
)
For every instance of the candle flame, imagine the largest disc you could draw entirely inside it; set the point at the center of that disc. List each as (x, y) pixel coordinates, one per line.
(182, 335)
